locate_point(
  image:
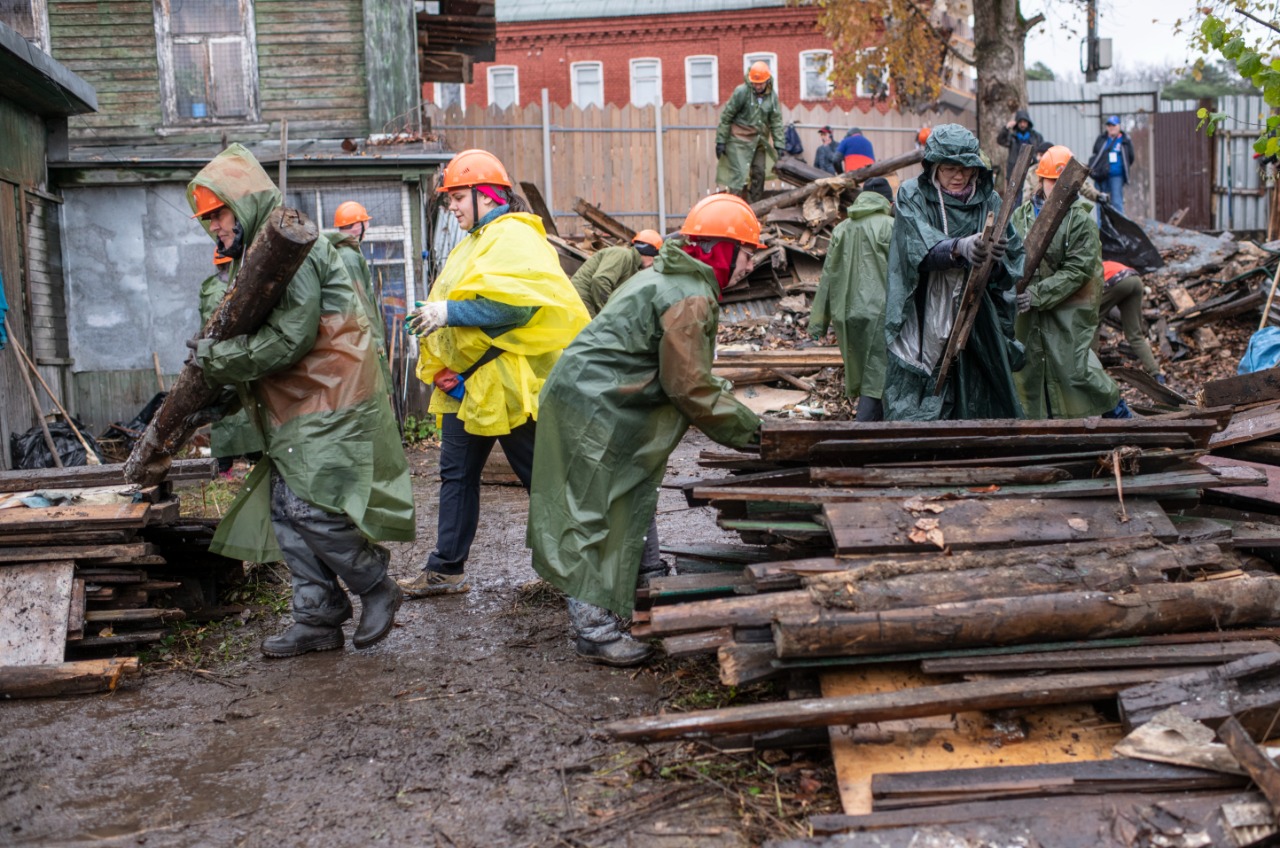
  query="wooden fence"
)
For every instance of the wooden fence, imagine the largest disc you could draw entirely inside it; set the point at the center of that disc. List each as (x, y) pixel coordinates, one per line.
(612, 158)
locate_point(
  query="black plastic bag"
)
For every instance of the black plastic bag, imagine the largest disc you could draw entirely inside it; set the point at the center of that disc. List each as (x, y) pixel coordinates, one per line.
(1124, 241)
(28, 450)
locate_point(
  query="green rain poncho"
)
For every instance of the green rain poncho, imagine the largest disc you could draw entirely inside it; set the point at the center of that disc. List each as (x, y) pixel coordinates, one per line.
(1063, 377)
(310, 380)
(614, 408)
(921, 307)
(235, 434)
(747, 123)
(602, 273)
(851, 294)
(358, 270)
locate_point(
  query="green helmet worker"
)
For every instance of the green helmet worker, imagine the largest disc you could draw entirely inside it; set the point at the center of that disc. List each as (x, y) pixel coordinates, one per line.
(609, 268)
(232, 435)
(937, 238)
(333, 479)
(750, 137)
(1058, 312)
(351, 221)
(615, 407)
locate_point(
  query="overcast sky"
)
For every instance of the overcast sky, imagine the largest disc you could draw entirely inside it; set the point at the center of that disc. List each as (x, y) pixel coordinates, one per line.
(1141, 33)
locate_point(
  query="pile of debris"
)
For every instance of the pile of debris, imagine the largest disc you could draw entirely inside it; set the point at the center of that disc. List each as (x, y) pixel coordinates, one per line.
(1000, 611)
(90, 566)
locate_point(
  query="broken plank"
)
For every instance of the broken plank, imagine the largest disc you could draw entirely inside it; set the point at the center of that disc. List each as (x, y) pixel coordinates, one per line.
(129, 637)
(602, 221)
(1260, 767)
(742, 663)
(698, 643)
(68, 678)
(1242, 389)
(685, 586)
(719, 552)
(779, 477)
(1247, 688)
(66, 536)
(86, 476)
(981, 476)
(1100, 658)
(884, 525)
(915, 702)
(935, 447)
(1141, 611)
(1249, 428)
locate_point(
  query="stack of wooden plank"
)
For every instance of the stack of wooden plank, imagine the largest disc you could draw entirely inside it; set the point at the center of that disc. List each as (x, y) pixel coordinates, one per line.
(966, 591)
(102, 567)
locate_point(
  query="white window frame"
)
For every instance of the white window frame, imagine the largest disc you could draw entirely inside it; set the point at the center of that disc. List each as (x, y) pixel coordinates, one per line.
(164, 57)
(715, 78)
(437, 96)
(863, 91)
(826, 73)
(573, 83)
(658, 63)
(748, 59)
(515, 83)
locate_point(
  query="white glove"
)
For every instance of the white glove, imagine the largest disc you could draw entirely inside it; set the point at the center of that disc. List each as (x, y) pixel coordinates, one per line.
(1024, 302)
(428, 317)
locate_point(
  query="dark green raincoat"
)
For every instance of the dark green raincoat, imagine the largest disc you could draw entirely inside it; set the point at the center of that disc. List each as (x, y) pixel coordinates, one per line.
(353, 260)
(921, 308)
(748, 123)
(613, 409)
(1063, 377)
(851, 294)
(602, 273)
(310, 380)
(235, 434)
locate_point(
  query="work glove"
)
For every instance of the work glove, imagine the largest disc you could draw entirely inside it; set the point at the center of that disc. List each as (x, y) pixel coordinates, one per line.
(193, 345)
(971, 248)
(450, 382)
(998, 247)
(1024, 302)
(719, 149)
(1104, 197)
(427, 318)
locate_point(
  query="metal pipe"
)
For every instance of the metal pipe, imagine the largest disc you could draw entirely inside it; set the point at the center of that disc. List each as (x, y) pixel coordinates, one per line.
(662, 176)
(547, 196)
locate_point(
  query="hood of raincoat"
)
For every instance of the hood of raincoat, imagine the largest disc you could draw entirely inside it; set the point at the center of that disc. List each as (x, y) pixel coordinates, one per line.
(237, 178)
(1022, 115)
(869, 203)
(952, 144)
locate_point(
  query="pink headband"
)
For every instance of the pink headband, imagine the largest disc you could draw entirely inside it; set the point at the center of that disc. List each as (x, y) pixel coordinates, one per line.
(492, 193)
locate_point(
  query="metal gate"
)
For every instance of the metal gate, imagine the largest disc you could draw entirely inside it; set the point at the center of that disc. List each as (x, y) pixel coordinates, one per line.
(1183, 171)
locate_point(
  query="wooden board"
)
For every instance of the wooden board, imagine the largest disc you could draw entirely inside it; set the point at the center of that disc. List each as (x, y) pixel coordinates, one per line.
(762, 399)
(80, 553)
(74, 518)
(83, 476)
(1242, 389)
(1053, 734)
(883, 525)
(1090, 658)
(35, 600)
(1247, 428)
(933, 447)
(72, 678)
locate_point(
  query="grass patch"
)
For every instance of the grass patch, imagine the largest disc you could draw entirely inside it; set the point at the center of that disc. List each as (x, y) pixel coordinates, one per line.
(208, 498)
(419, 431)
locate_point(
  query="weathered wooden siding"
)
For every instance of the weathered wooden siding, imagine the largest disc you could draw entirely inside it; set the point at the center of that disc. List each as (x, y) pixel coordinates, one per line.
(22, 146)
(16, 414)
(391, 52)
(107, 397)
(44, 277)
(112, 45)
(311, 66)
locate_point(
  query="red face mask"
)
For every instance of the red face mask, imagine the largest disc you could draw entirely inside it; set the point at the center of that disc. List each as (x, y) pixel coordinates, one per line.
(720, 258)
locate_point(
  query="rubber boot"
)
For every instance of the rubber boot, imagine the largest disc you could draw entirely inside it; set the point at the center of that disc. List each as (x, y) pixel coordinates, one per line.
(302, 639)
(599, 637)
(621, 652)
(377, 613)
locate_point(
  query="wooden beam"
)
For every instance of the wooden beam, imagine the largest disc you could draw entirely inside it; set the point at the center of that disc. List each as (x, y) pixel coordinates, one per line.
(1248, 689)
(1255, 761)
(70, 678)
(1094, 659)
(1056, 206)
(852, 179)
(602, 221)
(86, 476)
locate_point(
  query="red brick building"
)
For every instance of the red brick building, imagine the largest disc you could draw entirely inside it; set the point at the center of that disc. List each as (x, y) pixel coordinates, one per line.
(642, 51)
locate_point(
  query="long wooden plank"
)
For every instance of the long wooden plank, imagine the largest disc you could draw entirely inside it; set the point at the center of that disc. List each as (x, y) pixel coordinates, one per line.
(1246, 429)
(1100, 658)
(850, 179)
(71, 678)
(989, 445)
(35, 601)
(1247, 688)
(74, 518)
(1242, 389)
(885, 706)
(981, 476)
(92, 536)
(79, 553)
(1050, 217)
(1260, 767)
(1141, 611)
(85, 476)
(884, 525)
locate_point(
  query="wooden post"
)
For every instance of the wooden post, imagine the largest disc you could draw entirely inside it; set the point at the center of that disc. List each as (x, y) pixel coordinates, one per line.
(661, 168)
(548, 193)
(155, 361)
(1051, 216)
(843, 181)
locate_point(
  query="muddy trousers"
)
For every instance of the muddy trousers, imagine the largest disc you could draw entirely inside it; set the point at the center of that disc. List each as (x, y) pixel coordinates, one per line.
(319, 547)
(1127, 294)
(597, 624)
(462, 459)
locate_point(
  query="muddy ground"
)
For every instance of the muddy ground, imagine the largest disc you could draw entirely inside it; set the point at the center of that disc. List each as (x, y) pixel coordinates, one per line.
(471, 725)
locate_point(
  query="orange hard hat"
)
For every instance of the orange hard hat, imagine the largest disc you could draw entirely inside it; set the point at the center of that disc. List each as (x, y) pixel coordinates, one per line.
(349, 213)
(923, 135)
(205, 201)
(724, 216)
(219, 259)
(472, 168)
(1053, 161)
(759, 72)
(649, 237)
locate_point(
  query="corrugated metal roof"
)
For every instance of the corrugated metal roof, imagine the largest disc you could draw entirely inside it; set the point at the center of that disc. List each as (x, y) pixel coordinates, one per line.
(526, 11)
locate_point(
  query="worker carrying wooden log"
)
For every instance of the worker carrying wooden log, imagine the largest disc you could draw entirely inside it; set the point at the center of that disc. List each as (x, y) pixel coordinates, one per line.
(1058, 312)
(334, 476)
(937, 237)
(614, 408)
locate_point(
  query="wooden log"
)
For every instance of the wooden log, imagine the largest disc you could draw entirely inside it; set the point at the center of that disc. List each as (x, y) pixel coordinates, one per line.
(85, 476)
(743, 663)
(919, 702)
(1144, 610)
(740, 611)
(1051, 216)
(851, 179)
(975, 284)
(1248, 689)
(69, 678)
(798, 172)
(1094, 659)
(270, 262)
(696, 644)
(1242, 390)
(130, 616)
(602, 221)
(980, 476)
(1261, 768)
(886, 525)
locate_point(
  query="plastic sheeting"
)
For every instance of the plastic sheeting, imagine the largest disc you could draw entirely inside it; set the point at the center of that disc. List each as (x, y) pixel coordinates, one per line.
(1124, 241)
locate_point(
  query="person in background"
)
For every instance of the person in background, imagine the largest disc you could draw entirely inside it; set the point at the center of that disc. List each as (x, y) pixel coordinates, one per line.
(855, 150)
(1031, 185)
(851, 294)
(1111, 161)
(615, 407)
(1122, 288)
(495, 322)
(827, 156)
(1058, 313)
(1015, 135)
(352, 222)
(609, 268)
(333, 479)
(234, 435)
(750, 137)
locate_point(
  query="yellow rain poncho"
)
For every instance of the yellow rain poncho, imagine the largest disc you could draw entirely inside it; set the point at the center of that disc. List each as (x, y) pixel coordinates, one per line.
(508, 261)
